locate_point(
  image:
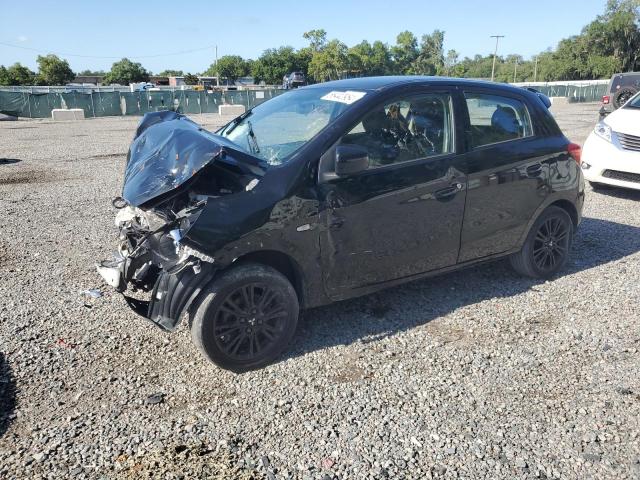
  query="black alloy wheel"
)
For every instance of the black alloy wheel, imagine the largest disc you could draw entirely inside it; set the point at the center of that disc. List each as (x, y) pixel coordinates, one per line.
(245, 318)
(249, 321)
(551, 243)
(548, 244)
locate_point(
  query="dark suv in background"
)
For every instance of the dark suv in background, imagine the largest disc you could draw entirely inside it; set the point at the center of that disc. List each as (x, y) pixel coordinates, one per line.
(622, 87)
(294, 80)
(333, 191)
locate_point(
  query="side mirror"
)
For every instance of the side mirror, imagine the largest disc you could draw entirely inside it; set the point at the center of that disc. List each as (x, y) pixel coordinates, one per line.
(351, 159)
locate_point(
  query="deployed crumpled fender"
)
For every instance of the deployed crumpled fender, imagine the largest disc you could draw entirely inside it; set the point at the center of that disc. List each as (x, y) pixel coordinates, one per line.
(172, 295)
(169, 149)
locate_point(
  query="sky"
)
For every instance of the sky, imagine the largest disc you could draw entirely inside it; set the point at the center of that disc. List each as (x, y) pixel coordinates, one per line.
(183, 35)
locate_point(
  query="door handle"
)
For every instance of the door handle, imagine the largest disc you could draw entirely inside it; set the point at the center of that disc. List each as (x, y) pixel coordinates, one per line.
(534, 170)
(449, 191)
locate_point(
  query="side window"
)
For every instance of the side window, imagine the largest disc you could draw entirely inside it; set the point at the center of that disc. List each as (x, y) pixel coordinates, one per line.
(405, 129)
(496, 119)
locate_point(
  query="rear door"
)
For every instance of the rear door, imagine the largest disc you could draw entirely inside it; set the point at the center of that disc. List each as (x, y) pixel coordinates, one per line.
(507, 176)
(403, 215)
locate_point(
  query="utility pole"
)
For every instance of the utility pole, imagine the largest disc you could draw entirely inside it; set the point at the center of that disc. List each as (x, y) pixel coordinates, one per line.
(515, 70)
(535, 70)
(216, 64)
(495, 53)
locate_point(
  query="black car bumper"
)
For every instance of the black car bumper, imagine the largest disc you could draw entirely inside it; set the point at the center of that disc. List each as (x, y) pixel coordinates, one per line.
(171, 296)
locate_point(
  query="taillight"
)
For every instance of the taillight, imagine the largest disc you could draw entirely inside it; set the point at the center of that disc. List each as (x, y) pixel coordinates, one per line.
(575, 151)
(606, 99)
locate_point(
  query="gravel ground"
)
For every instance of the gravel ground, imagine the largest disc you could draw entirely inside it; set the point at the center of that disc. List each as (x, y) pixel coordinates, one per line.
(476, 374)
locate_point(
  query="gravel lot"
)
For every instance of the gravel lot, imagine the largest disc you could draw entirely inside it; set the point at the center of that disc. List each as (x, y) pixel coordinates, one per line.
(476, 374)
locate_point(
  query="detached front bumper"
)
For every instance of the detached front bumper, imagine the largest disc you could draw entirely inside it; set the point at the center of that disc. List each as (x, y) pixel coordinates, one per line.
(171, 295)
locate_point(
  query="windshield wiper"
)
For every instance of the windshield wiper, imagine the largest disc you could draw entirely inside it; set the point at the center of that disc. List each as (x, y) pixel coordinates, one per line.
(236, 121)
(251, 139)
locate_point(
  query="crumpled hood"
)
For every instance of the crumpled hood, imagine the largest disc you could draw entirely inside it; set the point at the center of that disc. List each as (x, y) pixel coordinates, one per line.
(169, 149)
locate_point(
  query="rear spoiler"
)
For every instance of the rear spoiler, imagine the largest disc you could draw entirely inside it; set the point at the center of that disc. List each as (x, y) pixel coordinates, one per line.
(546, 101)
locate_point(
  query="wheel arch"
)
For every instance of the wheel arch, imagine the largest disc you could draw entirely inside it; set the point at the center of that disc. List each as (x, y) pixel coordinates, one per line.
(566, 204)
(569, 207)
(279, 261)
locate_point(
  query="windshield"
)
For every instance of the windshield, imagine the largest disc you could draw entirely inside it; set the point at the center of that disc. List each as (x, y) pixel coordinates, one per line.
(276, 129)
(634, 102)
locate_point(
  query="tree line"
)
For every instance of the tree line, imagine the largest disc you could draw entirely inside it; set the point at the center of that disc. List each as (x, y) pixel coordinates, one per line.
(607, 45)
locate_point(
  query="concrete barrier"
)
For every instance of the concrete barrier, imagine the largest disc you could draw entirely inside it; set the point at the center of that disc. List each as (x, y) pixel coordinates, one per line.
(231, 109)
(67, 114)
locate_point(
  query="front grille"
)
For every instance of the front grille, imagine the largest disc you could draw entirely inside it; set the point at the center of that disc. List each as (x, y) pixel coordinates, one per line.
(629, 142)
(624, 176)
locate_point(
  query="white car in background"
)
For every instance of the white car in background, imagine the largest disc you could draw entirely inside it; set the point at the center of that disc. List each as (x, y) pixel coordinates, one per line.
(611, 154)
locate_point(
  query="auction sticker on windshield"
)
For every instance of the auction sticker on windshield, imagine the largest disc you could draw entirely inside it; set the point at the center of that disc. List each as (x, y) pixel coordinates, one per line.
(347, 97)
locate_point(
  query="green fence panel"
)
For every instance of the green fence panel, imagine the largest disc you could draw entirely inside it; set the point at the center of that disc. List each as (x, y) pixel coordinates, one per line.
(78, 100)
(192, 101)
(106, 104)
(39, 105)
(179, 101)
(187, 101)
(234, 98)
(130, 100)
(101, 104)
(162, 100)
(211, 102)
(14, 103)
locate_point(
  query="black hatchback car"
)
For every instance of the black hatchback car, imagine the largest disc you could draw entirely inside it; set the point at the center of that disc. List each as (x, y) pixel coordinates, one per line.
(333, 191)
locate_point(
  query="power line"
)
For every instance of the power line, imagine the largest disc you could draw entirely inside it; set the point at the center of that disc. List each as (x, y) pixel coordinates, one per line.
(61, 54)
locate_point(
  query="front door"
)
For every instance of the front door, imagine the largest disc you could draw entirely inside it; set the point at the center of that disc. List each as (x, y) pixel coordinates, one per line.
(403, 215)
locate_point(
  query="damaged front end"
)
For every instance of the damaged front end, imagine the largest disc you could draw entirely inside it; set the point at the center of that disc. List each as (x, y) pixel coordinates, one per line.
(174, 169)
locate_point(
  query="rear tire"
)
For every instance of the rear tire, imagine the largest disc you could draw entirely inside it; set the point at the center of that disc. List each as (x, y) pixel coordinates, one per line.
(245, 318)
(622, 95)
(546, 249)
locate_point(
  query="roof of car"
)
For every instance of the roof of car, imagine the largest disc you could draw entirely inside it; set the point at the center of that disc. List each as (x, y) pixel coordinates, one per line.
(381, 83)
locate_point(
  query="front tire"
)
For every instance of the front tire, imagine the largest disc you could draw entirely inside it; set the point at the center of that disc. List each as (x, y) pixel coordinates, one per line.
(546, 249)
(245, 318)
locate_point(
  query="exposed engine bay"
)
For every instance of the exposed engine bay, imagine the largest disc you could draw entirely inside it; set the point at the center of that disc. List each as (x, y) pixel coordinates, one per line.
(165, 193)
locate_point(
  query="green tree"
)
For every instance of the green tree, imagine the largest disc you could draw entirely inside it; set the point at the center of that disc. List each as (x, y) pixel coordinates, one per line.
(4, 76)
(330, 63)
(404, 52)
(450, 64)
(616, 33)
(381, 63)
(189, 79)
(275, 63)
(317, 39)
(230, 67)
(360, 59)
(54, 71)
(16, 74)
(171, 73)
(92, 73)
(430, 59)
(125, 72)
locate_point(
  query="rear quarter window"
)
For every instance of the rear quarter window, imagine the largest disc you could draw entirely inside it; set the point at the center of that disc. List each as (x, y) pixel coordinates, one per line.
(495, 119)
